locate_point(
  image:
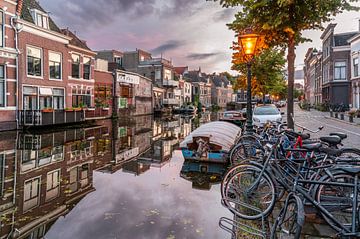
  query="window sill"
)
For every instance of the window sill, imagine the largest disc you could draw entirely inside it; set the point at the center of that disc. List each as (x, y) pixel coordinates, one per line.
(54, 79)
(36, 77)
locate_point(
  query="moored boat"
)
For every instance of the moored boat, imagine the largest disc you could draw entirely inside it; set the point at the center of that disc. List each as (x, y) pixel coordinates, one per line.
(210, 142)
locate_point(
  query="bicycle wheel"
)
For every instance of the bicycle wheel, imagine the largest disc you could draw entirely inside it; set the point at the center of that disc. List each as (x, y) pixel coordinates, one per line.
(246, 150)
(290, 221)
(336, 199)
(249, 194)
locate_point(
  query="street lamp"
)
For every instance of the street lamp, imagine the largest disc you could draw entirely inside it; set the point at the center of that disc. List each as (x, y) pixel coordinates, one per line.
(248, 44)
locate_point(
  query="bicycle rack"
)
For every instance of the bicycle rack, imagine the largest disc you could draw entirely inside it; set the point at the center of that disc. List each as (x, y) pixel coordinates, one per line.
(235, 226)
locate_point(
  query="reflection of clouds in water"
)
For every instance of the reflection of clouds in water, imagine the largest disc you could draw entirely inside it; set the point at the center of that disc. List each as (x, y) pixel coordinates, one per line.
(124, 206)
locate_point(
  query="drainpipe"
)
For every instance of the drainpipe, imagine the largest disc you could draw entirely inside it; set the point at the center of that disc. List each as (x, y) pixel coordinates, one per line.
(17, 28)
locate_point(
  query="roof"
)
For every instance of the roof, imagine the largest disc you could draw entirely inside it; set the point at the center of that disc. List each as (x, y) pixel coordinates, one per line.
(26, 15)
(330, 27)
(75, 41)
(342, 39)
(181, 69)
(196, 76)
(220, 81)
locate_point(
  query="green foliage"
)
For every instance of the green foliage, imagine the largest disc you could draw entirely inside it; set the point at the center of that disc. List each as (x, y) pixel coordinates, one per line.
(267, 73)
(282, 22)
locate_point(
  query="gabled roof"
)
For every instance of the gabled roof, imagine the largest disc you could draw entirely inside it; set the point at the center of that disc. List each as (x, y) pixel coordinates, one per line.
(75, 41)
(196, 76)
(26, 15)
(220, 81)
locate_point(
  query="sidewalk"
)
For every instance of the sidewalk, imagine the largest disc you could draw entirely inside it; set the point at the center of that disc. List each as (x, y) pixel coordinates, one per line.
(327, 116)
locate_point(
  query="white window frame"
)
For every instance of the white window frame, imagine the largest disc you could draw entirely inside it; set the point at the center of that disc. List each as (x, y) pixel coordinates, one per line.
(38, 94)
(82, 66)
(355, 66)
(5, 88)
(61, 65)
(2, 14)
(42, 62)
(35, 13)
(346, 69)
(39, 191)
(52, 183)
(72, 62)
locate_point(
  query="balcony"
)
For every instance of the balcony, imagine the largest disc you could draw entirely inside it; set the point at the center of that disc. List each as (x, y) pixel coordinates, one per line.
(41, 118)
(171, 102)
(171, 83)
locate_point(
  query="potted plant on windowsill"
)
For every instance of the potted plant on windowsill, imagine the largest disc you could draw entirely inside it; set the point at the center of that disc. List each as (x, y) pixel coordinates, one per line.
(105, 107)
(47, 110)
(90, 109)
(69, 109)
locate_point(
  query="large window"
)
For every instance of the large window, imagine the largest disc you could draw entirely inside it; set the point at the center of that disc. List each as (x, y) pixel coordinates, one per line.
(53, 184)
(58, 98)
(103, 95)
(356, 67)
(55, 65)
(81, 97)
(75, 67)
(87, 67)
(34, 56)
(2, 86)
(31, 193)
(30, 98)
(340, 70)
(2, 29)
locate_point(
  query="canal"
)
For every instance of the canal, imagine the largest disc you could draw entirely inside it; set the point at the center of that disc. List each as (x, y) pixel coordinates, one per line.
(112, 179)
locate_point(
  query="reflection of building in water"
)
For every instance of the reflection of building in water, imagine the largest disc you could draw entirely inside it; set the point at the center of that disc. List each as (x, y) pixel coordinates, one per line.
(202, 175)
(50, 173)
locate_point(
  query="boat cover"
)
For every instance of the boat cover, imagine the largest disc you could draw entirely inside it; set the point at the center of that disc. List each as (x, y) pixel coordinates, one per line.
(220, 133)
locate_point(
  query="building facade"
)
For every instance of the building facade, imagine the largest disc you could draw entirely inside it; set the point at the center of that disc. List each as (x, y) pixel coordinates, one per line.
(221, 90)
(355, 76)
(8, 63)
(201, 87)
(336, 63)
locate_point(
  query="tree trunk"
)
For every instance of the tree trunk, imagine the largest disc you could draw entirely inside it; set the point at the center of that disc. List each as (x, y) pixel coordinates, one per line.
(291, 76)
(263, 98)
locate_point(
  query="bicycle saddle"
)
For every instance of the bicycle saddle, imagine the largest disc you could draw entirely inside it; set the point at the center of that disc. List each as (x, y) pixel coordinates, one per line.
(332, 140)
(351, 170)
(341, 135)
(315, 146)
(309, 141)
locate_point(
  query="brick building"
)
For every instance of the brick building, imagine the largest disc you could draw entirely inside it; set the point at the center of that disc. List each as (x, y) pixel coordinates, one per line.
(201, 87)
(8, 62)
(336, 68)
(355, 76)
(221, 90)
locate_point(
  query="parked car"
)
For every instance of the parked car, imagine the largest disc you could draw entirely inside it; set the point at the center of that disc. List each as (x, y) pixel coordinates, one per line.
(265, 113)
(280, 104)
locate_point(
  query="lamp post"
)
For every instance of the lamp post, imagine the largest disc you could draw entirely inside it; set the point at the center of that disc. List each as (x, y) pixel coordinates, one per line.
(248, 43)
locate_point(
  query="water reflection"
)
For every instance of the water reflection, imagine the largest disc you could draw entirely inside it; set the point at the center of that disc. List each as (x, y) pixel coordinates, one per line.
(79, 183)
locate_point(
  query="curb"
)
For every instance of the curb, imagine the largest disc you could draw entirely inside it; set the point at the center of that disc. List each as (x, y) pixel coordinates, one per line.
(343, 121)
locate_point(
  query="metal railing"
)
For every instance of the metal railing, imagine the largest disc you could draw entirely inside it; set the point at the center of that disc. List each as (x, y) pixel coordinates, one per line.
(42, 118)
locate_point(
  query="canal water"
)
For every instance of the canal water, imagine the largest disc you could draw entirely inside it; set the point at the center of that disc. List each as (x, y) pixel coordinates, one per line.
(112, 179)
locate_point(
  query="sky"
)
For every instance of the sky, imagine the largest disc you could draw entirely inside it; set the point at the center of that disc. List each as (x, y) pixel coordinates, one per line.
(189, 32)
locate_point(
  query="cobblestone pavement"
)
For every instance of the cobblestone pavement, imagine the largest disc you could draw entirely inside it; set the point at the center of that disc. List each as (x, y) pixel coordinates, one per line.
(314, 119)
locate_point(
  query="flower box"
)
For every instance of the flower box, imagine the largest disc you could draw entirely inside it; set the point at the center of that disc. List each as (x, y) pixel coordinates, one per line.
(47, 110)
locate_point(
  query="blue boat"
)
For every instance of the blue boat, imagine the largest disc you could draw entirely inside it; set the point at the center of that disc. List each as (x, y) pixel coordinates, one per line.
(211, 142)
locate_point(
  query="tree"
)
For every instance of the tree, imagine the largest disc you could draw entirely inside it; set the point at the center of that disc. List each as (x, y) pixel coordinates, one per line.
(267, 72)
(282, 22)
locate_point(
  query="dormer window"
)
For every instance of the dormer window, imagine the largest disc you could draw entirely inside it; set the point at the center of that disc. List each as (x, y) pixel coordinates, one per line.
(41, 19)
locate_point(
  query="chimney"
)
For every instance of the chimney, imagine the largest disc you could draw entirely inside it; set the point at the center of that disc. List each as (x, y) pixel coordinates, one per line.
(19, 8)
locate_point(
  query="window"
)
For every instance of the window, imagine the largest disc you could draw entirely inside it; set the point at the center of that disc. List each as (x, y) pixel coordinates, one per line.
(2, 29)
(2, 86)
(75, 67)
(58, 98)
(30, 98)
(41, 19)
(118, 60)
(167, 74)
(55, 65)
(52, 184)
(81, 97)
(87, 67)
(356, 67)
(34, 56)
(31, 193)
(340, 70)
